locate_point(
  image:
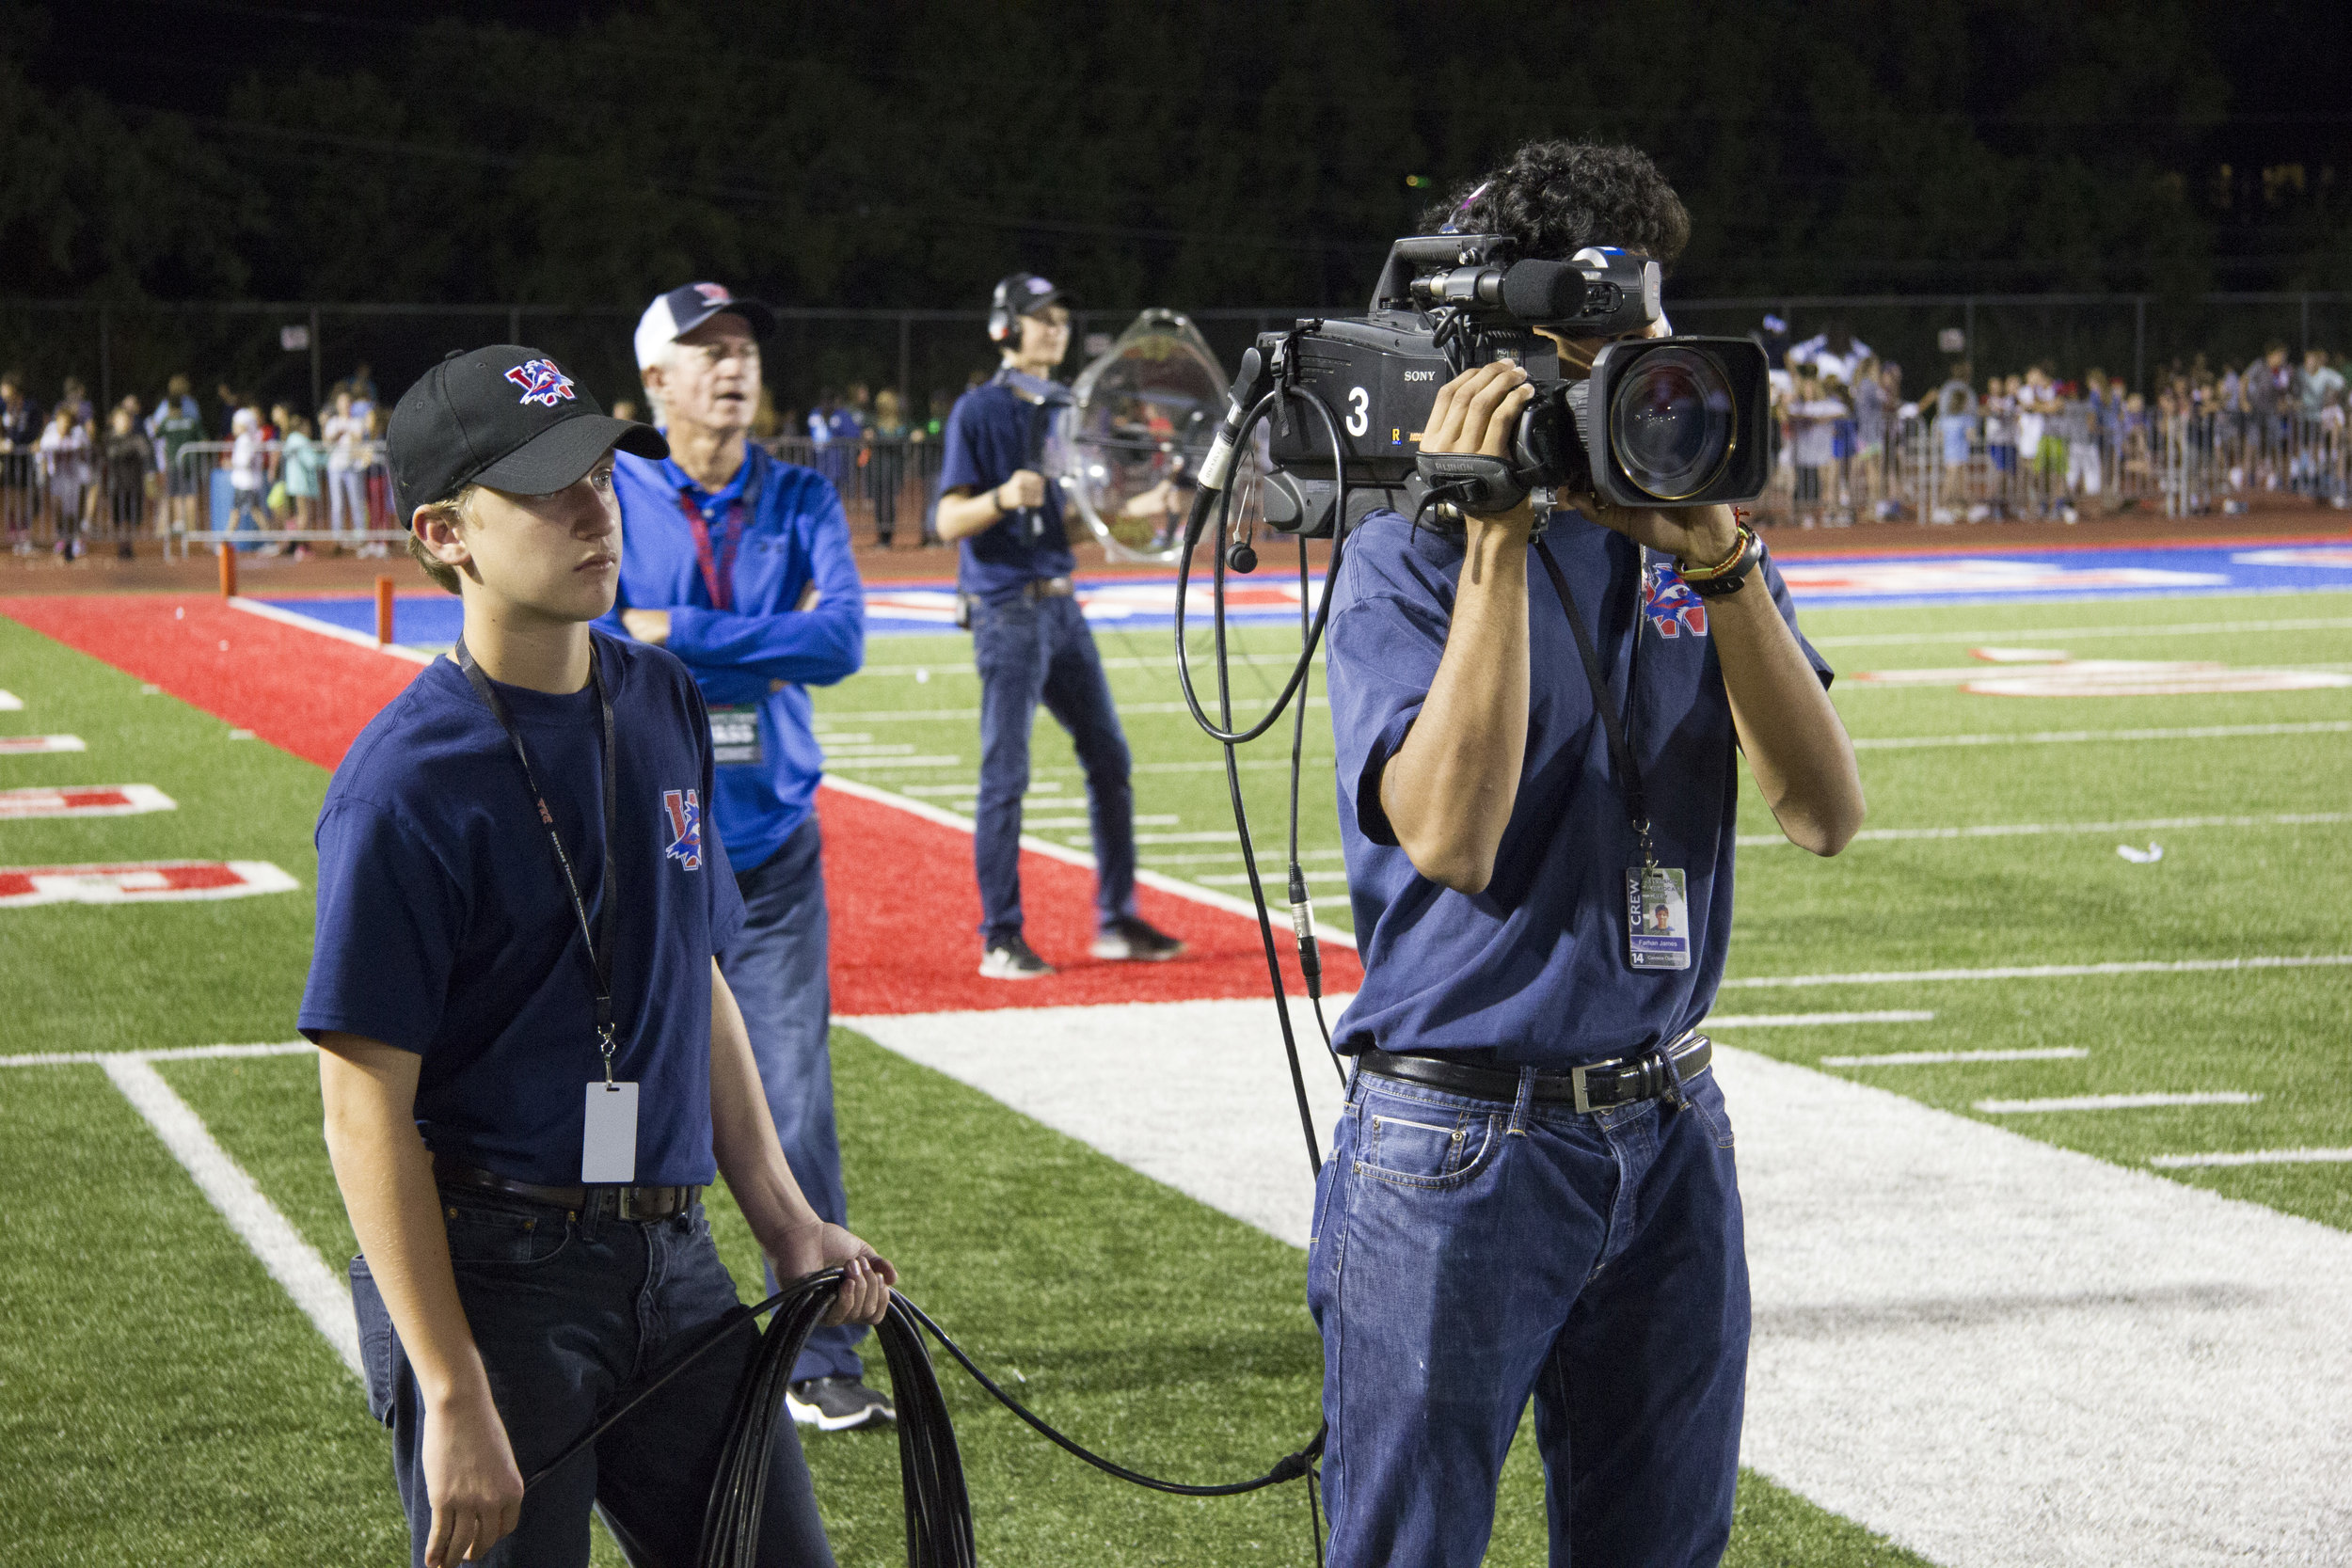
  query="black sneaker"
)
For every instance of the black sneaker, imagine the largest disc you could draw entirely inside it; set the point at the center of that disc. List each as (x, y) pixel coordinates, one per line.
(1011, 960)
(1129, 938)
(837, 1405)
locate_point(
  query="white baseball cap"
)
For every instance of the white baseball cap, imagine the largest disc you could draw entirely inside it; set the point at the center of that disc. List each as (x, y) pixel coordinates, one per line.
(673, 315)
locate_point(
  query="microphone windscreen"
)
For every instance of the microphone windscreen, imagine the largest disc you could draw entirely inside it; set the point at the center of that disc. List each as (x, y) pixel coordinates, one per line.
(1544, 291)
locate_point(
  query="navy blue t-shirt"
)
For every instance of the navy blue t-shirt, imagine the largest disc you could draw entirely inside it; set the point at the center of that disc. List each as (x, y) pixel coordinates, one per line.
(444, 928)
(1534, 967)
(992, 433)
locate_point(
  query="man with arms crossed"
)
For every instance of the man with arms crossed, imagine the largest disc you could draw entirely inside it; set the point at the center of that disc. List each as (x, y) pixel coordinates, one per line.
(530, 1060)
(1531, 1190)
(1028, 638)
(739, 565)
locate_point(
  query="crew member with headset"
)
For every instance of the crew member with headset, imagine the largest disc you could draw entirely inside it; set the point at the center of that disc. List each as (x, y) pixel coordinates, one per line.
(530, 1060)
(1028, 638)
(739, 564)
(1530, 1192)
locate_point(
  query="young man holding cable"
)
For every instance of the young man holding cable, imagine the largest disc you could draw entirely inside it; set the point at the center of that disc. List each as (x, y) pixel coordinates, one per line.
(531, 1062)
(1028, 638)
(1532, 1191)
(739, 564)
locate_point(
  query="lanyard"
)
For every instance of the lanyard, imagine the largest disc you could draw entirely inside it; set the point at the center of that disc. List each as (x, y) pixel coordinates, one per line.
(718, 568)
(600, 944)
(1620, 749)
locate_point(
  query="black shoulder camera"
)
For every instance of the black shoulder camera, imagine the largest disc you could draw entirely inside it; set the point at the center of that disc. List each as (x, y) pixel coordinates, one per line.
(1659, 421)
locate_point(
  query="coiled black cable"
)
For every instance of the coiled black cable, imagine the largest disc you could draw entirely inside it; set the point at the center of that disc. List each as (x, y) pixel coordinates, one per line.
(938, 1503)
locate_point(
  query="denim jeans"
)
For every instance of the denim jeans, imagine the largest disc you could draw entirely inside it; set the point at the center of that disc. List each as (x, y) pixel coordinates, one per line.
(1471, 1254)
(566, 1316)
(1032, 651)
(775, 966)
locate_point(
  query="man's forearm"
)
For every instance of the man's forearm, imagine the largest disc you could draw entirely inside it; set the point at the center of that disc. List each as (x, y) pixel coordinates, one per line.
(385, 1176)
(1449, 790)
(1795, 743)
(964, 512)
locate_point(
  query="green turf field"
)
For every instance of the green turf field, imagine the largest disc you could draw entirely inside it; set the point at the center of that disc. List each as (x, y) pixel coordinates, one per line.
(163, 1401)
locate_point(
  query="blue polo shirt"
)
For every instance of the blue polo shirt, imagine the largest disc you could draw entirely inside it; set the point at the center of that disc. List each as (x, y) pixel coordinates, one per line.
(764, 653)
(444, 928)
(992, 433)
(1534, 967)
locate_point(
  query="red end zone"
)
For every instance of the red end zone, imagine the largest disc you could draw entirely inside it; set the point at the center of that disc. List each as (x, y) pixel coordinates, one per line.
(905, 907)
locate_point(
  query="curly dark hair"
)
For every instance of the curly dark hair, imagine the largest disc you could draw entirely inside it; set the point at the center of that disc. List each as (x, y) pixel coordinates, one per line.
(1555, 198)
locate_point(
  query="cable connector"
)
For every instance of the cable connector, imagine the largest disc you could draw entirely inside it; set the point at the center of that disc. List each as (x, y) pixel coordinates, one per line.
(1303, 926)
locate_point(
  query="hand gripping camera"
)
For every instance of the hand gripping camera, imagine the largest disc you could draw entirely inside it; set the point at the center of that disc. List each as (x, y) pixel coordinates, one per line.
(1658, 422)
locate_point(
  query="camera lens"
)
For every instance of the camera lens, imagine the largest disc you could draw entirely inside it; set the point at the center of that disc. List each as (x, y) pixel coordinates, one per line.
(1669, 423)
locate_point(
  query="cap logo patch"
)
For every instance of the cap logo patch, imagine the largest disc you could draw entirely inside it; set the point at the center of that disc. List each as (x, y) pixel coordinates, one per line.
(714, 293)
(542, 383)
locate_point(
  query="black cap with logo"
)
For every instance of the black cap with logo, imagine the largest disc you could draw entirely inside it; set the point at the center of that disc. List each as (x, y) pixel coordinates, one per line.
(505, 416)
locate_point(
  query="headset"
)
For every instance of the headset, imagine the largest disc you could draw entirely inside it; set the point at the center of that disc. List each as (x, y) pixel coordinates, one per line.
(1015, 298)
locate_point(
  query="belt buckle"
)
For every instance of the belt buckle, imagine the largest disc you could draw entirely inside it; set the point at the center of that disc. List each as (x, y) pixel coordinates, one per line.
(625, 1202)
(1576, 1082)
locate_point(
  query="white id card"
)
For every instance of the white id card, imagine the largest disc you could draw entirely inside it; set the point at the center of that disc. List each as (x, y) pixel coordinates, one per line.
(607, 1152)
(1661, 918)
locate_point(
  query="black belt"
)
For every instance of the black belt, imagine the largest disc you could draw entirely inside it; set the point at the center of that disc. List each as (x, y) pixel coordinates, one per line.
(1594, 1087)
(1047, 587)
(626, 1203)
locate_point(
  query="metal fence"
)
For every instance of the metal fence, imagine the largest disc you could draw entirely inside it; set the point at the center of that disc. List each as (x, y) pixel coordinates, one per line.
(1968, 468)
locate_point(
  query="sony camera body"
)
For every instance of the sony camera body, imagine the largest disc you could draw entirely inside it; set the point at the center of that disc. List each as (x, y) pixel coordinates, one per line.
(1658, 422)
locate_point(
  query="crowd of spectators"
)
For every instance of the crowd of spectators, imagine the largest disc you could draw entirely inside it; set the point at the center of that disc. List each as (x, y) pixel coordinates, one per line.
(77, 482)
(2035, 445)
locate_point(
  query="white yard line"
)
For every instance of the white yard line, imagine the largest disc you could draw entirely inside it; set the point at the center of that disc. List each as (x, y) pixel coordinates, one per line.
(883, 716)
(2002, 1354)
(2011, 634)
(2072, 737)
(2035, 972)
(2253, 1157)
(1939, 1058)
(328, 628)
(1807, 1020)
(2114, 1102)
(293, 1262)
(2031, 830)
(172, 1053)
(12, 702)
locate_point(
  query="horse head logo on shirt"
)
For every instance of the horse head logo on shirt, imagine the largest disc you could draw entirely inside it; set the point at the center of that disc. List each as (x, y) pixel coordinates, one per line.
(685, 813)
(1671, 605)
(542, 383)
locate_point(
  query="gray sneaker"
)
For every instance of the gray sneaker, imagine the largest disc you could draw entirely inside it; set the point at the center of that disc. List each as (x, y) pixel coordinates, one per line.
(1011, 960)
(1131, 940)
(837, 1405)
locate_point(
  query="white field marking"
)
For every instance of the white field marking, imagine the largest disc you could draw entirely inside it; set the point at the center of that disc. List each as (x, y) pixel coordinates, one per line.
(1234, 859)
(1120, 661)
(2002, 1354)
(2114, 1102)
(1067, 855)
(2197, 628)
(2031, 830)
(1157, 821)
(136, 882)
(2072, 737)
(2012, 674)
(293, 1262)
(1809, 1020)
(12, 702)
(1938, 1058)
(241, 735)
(2036, 972)
(327, 629)
(873, 764)
(1035, 788)
(1308, 766)
(1217, 835)
(883, 716)
(2253, 1157)
(39, 745)
(168, 1053)
(836, 749)
(57, 801)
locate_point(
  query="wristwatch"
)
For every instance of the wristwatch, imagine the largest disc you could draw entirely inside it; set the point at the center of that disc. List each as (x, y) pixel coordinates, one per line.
(1728, 575)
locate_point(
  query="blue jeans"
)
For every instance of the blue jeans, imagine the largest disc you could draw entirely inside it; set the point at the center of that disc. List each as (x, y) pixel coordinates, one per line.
(775, 966)
(1470, 1254)
(567, 1316)
(1032, 651)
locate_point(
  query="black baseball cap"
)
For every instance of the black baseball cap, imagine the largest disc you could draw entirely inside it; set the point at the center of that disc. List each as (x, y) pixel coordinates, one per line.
(505, 416)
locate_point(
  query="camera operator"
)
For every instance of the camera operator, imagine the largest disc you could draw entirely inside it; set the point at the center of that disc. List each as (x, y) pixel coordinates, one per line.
(1532, 1189)
(1028, 638)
